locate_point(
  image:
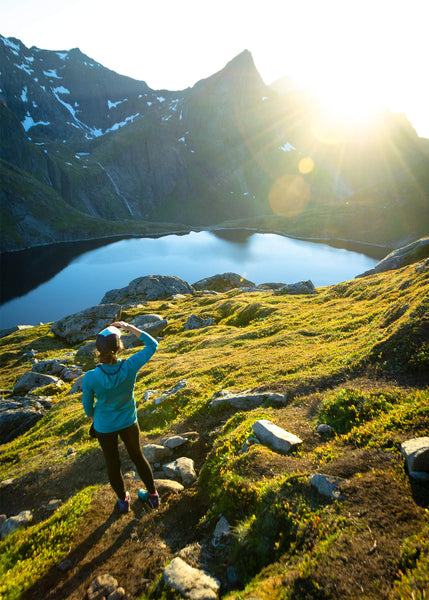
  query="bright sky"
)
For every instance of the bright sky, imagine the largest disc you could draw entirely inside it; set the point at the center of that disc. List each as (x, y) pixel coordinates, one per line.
(354, 51)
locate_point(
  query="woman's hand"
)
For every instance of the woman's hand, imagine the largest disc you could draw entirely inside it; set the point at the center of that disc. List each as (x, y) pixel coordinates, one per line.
(127, 327)
(121, 325)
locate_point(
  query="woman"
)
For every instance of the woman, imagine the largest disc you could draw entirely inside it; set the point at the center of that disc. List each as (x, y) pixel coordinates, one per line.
(114, 413)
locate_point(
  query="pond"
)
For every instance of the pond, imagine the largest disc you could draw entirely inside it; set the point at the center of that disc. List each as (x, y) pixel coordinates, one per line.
(45, 284)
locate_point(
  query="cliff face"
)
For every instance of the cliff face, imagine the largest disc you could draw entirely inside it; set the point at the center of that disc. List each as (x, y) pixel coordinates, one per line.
(110, 149)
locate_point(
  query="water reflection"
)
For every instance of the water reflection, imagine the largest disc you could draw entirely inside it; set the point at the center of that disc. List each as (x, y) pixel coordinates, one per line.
(45, 284)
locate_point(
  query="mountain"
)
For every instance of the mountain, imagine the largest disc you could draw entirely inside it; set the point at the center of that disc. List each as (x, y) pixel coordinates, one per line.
(86, 152)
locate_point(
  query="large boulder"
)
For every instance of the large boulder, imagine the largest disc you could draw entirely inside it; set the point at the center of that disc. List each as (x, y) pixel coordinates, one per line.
(222, 282)
(274, 436)
(152, 324)
(150, 287)
(86, 324)
(18, 415)
(31, 381)
(300, 287)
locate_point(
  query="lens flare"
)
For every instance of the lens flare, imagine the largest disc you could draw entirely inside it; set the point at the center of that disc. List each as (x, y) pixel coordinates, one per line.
(306, 165)
(289, 195)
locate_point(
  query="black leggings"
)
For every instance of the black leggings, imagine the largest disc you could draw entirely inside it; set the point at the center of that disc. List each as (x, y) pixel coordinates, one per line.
(109, 445)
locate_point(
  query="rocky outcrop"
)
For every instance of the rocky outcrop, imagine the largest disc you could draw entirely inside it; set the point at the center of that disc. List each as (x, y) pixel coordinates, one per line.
(195, 322)
(222, 282)
(86, 324)
(246, 400)
(16, 522)
(401, 257)
(301, 287)
(150, 287)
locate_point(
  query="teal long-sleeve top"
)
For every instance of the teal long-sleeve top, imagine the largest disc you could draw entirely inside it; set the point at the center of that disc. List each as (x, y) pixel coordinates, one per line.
(108, 390)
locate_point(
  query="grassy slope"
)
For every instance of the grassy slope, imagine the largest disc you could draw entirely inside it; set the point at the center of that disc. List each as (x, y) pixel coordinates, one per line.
(355, 355)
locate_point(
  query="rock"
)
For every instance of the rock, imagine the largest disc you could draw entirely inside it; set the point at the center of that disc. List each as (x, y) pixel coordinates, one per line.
(301, 287)
(190, 582)
(87, 349)
(327, 485)
(31, 381)
(270, 286)
(77, 386)
(246, 400)
(324, 429)
(18, 415)
(150, 287)
(152, 324)
(86, 324)
(401, 257)
(195, 322)
(274, 436)
(222, 283)
(179, 386)
(248, 443)
(174, 442)
(9, 330)
(14, 523)
(65, 565)
(416, 454)
(117, 594)
(53, 504)
(102, 587)
(58, 369)
(168, 486)
(155, 453)
(222, 529)
(3, 518)
(182, 469)
(6, 482)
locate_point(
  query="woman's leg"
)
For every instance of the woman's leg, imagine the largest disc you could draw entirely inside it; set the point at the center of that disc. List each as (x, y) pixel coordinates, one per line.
(130, 437)
(109, 445)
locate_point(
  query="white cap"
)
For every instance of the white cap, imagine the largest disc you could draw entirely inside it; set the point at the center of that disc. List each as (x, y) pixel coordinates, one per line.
(110, 331)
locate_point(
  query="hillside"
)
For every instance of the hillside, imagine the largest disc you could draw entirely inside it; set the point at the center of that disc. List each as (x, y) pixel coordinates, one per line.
(354, 356)
(107, 148)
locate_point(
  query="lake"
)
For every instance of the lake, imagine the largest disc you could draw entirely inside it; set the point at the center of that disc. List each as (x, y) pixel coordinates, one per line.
(45, 284)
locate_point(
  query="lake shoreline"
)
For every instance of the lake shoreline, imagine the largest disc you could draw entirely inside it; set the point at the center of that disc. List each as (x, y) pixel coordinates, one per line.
(213, 228)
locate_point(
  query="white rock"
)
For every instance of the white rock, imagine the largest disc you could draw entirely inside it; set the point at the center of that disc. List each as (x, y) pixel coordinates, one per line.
(416, 453)
(191, 583)
(276, 437)
(182, 468)
(155, 453)
(327, 485)
(14, 523)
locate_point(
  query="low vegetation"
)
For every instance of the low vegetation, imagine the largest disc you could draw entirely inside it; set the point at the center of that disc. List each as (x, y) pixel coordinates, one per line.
(354, 356)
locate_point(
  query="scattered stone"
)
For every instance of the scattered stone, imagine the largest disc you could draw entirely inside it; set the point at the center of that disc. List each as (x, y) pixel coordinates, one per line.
(327, 485)
(175, 441)
(179, 386)
(15, 522)
(148, 393)
(324, 429)
(102, 587)
(246, 400)
(86, 324)
(165, 486)
(181, 469)
(195, 322)
(416, 454)
(222, 529)
(53, 504)
(301, 287)
(65, 565)
(155, 453)
(222, 282)
(248, 443)
(190, 582)
(6, 482)
(31, 381)
(274, 436)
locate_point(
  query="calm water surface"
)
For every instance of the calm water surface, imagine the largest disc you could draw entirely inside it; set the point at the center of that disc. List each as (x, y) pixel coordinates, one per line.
(47, 284)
